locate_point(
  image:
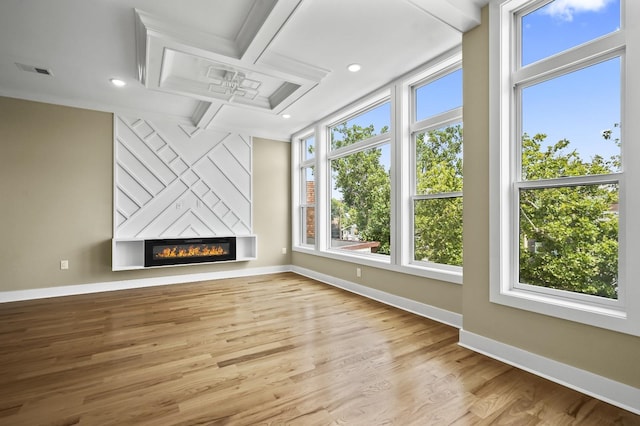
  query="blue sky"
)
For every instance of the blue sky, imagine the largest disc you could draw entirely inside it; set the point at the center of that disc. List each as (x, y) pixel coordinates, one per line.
(580, 105)
(447, 90)
(563, 24)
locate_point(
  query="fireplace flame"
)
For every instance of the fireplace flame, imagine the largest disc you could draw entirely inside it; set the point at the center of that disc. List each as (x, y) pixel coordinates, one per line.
(191, 251)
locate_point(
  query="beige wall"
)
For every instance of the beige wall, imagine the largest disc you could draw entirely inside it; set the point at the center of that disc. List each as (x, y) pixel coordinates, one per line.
(56, 180)
(610, 354)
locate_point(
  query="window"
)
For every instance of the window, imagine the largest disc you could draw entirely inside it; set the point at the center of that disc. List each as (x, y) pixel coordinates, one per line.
(437, 181)
(307, 227)
(360, 164)
(568, 183)
(387, 173)
(560, 159)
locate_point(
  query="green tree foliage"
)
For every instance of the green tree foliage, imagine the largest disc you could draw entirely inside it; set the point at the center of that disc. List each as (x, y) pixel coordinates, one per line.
(365, 186)
(568, 234)
(438, 222)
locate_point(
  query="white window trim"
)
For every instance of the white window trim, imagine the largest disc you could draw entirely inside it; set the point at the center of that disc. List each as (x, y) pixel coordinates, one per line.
(298, 231)
(435, 122)
(375, 141)
(623, 316)
(399, 136)
(302, 225)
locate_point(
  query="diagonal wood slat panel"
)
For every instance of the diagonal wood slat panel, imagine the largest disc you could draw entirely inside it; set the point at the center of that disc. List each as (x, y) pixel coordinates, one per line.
(275, 349)
(172, 181)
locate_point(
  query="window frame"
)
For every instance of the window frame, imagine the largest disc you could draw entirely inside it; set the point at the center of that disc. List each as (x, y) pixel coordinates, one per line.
(303, 165)
(372, 142)
(434, 122)
(304, 207)
(399, 93)
(507, 79)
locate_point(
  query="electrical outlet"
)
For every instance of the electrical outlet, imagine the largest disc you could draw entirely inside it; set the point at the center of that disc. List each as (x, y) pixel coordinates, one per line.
(284, 250)
(358, 272)
(64, 264)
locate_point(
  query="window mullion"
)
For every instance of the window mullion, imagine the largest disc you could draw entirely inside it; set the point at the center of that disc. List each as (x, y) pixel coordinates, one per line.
(438, 195)
(396, 186)
(372, 142)
(569, 181)
(582, 56)
(444, 119)
(321, 181)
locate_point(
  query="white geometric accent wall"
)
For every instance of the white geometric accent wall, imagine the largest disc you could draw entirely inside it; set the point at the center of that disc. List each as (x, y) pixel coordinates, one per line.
(172, 180)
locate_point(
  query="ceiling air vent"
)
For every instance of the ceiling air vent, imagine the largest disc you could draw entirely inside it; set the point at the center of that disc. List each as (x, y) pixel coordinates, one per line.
(35, 69)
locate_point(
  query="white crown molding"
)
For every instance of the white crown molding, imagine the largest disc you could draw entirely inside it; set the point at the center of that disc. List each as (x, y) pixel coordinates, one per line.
(461, 15)
(616, 393)
(155, 27)
(272, 60)
(103, 107)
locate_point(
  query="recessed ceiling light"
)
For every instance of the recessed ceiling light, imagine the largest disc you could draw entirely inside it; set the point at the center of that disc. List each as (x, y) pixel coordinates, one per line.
(286, 115)
(354, 67)
(117, 82)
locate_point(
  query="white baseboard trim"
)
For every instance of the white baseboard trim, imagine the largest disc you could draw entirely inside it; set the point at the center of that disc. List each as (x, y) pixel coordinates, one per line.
(70, 290)
(418, 308)
(615, 393)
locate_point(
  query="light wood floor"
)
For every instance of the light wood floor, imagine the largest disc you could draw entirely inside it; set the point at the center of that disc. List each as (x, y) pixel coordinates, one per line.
(277, 349)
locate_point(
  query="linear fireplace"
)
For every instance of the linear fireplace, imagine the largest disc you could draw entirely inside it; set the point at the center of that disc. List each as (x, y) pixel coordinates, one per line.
(179, 251)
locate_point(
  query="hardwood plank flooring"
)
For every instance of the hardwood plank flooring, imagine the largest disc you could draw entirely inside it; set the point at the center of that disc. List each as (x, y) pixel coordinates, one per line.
(270, 350)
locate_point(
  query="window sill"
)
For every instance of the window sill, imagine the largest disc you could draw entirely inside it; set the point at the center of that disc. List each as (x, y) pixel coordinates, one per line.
(598, 316)
(381, 262)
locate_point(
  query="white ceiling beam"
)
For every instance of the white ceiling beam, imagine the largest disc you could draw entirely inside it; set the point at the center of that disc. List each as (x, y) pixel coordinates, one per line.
(270, 27)
(204, 114)
(462, 15)
(173, 62)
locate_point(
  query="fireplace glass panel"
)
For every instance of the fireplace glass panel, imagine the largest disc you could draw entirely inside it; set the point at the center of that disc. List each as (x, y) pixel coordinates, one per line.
(185, 251)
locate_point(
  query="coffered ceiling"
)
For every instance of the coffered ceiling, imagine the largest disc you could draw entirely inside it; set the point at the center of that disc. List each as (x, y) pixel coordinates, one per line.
(234, 65)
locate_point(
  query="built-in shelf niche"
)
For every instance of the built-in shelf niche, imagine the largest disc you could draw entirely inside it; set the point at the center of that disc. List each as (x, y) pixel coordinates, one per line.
(128, 253)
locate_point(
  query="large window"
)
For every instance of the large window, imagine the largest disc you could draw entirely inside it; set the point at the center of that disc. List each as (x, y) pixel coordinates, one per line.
(560, 176)
(360, 182)
(437, 181)
(387, 172)
(567, 188)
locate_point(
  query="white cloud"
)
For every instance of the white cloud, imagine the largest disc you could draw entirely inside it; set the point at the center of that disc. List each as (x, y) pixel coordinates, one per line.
(565, 9)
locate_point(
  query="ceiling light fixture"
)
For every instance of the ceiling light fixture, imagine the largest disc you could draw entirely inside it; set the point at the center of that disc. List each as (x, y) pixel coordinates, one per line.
(354, 67)
(286, 115)
(231, 82)
(117, 82)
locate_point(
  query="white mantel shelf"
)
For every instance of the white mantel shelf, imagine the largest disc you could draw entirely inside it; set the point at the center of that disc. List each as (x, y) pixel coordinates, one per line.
(128, 253)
